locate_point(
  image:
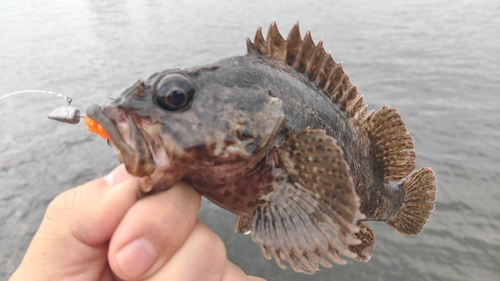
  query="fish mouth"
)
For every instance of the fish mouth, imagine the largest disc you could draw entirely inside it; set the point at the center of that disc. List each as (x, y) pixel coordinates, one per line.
(126, 139)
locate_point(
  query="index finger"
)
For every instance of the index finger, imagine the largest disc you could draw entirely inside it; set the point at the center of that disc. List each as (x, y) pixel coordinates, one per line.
(152, 231)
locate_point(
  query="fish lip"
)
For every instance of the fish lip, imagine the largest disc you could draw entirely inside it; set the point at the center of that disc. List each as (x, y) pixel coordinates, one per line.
(137, 164)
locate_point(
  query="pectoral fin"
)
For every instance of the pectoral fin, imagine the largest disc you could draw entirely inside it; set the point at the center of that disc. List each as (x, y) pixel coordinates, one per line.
(312, 210)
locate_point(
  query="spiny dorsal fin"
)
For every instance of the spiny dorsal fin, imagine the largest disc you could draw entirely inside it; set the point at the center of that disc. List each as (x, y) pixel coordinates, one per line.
(312, 60)
(391, 144)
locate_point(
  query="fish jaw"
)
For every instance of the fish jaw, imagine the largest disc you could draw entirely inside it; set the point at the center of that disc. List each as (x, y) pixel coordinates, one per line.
(126, 139)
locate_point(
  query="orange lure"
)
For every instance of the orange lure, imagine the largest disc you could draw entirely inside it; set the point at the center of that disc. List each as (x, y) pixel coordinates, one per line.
(95, 128)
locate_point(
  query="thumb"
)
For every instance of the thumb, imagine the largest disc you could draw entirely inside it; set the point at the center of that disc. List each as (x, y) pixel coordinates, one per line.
(72, 240)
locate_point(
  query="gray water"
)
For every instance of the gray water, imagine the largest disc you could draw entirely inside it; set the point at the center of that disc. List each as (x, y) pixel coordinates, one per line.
(436, 61)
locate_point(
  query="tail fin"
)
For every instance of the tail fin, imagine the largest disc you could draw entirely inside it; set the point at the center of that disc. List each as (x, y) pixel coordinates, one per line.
(420, 188)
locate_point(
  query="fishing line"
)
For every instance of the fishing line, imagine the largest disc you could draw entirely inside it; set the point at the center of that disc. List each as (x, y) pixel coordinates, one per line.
(68, 99)
(67, 114)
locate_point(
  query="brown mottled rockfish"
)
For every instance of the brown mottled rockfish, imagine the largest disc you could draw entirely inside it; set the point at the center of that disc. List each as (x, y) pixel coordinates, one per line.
(281, 138)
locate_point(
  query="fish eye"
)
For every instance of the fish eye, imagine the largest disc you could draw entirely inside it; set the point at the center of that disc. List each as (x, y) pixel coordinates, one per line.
(174, 92)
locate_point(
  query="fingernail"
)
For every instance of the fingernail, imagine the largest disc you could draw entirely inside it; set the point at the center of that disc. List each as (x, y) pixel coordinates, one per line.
(118, 175)
(136, 257)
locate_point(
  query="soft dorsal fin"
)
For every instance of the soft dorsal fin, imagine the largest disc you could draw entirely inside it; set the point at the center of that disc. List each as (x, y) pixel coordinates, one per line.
(391, 144)
(312, 60)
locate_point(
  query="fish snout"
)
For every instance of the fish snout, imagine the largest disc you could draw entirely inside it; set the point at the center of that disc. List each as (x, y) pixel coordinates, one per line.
(125, 138)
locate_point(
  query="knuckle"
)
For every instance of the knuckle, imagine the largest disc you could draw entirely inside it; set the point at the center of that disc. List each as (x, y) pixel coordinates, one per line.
(64, 209)
(212, 252)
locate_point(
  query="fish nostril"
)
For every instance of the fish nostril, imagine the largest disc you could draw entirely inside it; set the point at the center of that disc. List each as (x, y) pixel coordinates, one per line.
(244, 134)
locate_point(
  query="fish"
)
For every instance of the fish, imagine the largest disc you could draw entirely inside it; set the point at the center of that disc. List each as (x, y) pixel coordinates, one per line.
(281, 138)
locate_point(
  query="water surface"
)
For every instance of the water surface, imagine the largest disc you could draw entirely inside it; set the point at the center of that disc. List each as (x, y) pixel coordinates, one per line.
(437, 62)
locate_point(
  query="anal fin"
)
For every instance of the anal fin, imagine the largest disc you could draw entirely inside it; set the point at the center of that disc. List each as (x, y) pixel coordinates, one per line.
(312, 210)
(242, 225)
(420, 194)
(365, 249)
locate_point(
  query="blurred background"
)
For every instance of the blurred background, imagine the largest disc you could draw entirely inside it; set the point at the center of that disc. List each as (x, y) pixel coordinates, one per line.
(436, 61)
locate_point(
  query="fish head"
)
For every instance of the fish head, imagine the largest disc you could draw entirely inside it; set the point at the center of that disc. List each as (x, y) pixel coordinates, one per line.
(181, 124)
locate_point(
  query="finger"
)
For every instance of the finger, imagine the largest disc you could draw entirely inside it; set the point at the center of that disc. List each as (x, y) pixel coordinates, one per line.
(117, 176)
(201, 257)
(233, 272)
(93, 211)
(71, 238)
(152, 231)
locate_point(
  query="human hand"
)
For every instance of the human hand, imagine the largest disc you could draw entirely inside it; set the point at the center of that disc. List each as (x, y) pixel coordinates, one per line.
(99, 231)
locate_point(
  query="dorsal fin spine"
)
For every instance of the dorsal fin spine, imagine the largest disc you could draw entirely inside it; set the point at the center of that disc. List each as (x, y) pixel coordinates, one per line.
(259, 42)
(325, 71)
(305, 53)
(330, 83)
(250, 47)
(275, 43)
(336, 81)
(349, 95)
(293, 42)
(361, 112)
(316, 61)
(338, 92)
(355, 106)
